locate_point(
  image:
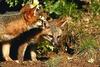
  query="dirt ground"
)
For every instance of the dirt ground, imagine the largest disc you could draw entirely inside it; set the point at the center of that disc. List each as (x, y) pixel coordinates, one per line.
(23, 64)
(75, 63)
(63, 62)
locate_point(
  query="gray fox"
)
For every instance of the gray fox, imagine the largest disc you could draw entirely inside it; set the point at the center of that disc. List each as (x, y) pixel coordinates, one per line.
(12, 25)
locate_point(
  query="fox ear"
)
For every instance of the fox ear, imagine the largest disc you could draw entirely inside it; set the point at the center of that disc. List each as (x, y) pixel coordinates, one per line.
(27, 7)
(29, 13)
(30, 16)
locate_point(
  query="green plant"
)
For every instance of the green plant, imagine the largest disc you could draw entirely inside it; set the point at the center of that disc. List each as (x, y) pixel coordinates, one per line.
(61, 8)
(44, 47)
(88, 48)
(95, 7)
(13, 3)
(87, 44)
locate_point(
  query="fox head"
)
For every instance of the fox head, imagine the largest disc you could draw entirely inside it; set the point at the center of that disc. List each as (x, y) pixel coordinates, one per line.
(29, 13)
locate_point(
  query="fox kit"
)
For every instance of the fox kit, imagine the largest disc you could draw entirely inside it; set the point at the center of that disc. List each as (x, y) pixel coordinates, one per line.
(12, 25)
(51, 33)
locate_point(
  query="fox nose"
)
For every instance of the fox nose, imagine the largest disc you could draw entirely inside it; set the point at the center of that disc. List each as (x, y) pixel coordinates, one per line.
(56, 35)
(56, 40)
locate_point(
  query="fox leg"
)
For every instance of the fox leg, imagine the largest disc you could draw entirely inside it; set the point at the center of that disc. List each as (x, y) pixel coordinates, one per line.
(6, 51)
(33, 55)
(21, 51)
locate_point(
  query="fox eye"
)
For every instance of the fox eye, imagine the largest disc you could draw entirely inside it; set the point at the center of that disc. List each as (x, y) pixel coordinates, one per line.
(50, 36)
(58, 37)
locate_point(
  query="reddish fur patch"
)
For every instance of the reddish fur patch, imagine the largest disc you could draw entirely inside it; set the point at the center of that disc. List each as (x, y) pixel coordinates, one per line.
(20, 25)
(16, 27)
(29, 14)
